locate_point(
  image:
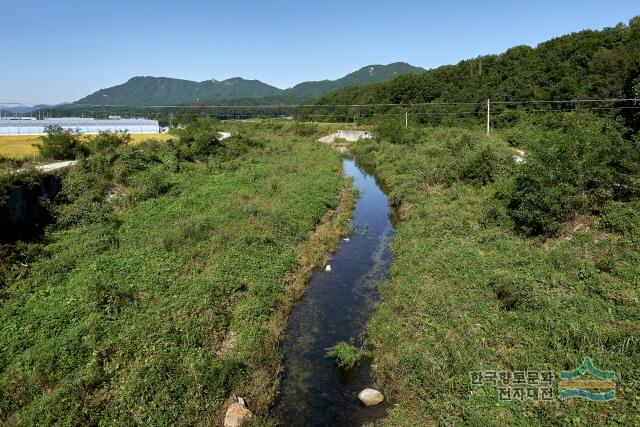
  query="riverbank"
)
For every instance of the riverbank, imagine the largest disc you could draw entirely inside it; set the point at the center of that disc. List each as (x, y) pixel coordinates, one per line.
(467, 293)
(260, 388)
(157, 305)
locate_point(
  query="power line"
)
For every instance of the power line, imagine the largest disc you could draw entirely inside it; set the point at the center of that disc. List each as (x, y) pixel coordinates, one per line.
(399, 104)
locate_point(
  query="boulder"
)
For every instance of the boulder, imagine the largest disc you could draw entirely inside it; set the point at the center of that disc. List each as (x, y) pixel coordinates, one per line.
(370, 397)
(237, 415)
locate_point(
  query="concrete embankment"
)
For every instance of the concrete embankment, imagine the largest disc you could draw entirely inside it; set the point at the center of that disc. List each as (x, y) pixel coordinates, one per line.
(347, 135)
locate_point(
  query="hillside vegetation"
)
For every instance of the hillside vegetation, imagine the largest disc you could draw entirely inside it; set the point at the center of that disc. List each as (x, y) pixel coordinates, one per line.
(505, 266)
(167, 91)
(584, 65)
(153, 304)
(363, 76)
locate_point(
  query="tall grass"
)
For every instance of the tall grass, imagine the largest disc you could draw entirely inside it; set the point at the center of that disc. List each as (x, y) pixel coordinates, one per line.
(467, 295)
(122, 319)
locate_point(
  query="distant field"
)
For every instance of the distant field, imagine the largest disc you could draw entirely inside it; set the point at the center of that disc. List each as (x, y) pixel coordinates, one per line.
(22, 145)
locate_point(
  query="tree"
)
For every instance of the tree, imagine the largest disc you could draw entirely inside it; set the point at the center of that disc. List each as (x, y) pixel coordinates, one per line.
(61, 144)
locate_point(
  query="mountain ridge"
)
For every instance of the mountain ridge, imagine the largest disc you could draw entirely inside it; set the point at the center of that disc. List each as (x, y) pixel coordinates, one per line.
(150, 90)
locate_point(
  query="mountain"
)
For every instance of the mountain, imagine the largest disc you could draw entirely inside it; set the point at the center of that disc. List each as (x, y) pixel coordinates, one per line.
(588, 64)
(169, 91)
(23, 110)
(365, 75)
(19, 109)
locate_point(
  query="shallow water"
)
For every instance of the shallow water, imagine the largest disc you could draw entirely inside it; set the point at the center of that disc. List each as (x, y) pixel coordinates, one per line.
(336, 306)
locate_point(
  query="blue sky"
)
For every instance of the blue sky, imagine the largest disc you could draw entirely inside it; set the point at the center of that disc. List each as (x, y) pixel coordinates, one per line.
(55, 51)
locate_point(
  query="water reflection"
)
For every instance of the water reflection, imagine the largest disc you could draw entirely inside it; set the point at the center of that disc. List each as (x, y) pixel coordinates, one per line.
(336, 306)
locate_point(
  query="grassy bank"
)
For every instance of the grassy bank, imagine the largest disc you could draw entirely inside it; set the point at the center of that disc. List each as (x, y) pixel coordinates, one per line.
(18, 146)
(471, 289)
(156, 306)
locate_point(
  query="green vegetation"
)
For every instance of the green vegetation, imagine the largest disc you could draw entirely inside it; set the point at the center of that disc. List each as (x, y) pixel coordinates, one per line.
(162, 286)
(346, 355)
(365, 75)
(167, 91)
(154, 304)
(588, 64)
(496, 268)
(140, 91)
(61, 144)
(576, 164)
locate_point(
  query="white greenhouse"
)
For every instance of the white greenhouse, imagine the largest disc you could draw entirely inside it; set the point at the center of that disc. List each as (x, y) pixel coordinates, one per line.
(28, 126)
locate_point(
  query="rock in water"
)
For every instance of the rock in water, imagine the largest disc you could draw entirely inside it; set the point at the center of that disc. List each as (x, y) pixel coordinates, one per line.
(237, 415)
(370, 397)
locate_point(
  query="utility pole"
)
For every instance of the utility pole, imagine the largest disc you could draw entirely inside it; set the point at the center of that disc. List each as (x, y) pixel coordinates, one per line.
(406, 120)
(488, 116)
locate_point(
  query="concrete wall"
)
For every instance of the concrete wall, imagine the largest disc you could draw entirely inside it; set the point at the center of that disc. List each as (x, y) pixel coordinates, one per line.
(347, 135)
(23, 211)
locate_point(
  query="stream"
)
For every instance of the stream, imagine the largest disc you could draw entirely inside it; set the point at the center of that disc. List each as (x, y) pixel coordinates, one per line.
(336, 306)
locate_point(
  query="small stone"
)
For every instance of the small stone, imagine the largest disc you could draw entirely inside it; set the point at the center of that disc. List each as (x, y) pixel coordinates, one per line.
(370, 397)
(327, 268)
(237, 415)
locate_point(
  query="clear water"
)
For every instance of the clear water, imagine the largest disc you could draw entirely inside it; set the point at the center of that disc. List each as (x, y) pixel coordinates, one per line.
(336, 307)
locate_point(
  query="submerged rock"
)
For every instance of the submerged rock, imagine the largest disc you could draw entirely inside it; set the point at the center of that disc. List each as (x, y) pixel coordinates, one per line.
(370, 397)
(237, 415)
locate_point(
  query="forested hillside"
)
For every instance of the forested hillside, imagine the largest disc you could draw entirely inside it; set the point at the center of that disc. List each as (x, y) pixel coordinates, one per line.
(168, 91)
(145, 91)
(365, 75)
(584, 65)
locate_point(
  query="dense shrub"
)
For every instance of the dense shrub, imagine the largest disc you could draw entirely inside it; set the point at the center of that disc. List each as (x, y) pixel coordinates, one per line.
(81, 200)
(149, 184)
(304, 129)
(393, 131)
(109, 141)
(623, 218)
(61, 144)
(485, 162)
(576, 163)
(442, 156)
(239, 145)
(199, 139)
(86, 209)
(133, 161)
